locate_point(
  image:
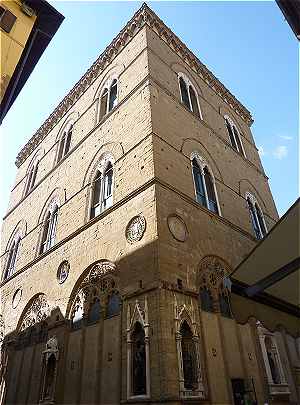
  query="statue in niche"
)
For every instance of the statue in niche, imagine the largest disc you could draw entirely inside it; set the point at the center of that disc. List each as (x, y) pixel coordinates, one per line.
(138, 360)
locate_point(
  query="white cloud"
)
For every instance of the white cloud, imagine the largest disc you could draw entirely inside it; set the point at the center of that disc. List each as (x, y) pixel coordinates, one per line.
(285, 137)
(261, 151)
(280, 152)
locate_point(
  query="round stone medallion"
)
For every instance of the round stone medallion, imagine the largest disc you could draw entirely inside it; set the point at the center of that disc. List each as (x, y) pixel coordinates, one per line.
(135, 229)
(63, 272)
(177, 227)
(16, 298)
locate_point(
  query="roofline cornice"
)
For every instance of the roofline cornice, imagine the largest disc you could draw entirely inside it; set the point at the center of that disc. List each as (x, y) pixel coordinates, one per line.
(143, 16)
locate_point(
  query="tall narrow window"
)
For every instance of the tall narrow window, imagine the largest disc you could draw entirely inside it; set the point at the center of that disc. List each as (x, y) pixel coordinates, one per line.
(94, 311)
(234, 136)
(184, 93)
(109, 99)
(77, 316)
(257, 219)
(31, 177)
(138, 363)
(102, 191)
(65, 142)
(212, 201)
(189, 359)
(204, 187)
(189, 96)
(225, 305)
(206, 300)
(113, 306)
(12, 258)
(49, 231)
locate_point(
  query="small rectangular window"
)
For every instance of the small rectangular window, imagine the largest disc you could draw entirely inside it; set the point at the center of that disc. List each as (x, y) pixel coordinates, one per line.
(7, 20)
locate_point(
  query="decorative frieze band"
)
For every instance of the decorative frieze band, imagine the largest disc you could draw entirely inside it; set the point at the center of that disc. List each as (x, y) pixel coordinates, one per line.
(143, 16)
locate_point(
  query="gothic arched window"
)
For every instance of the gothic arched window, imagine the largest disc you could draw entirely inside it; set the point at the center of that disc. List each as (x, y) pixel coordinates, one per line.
(49, 231)
(204, 187)
(113, 306)
(12, 257)
(189, 358)
(31, 177)
(234, 136)
(77, 316)
(138, 360)
(65, 141)
(257, 218)
(206, 300)
(189, 96)
(102, 197)
(108, 99)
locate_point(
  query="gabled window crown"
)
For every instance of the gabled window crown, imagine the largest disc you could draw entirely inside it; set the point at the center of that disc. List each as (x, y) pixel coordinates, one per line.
(189, 95)
(234, 136)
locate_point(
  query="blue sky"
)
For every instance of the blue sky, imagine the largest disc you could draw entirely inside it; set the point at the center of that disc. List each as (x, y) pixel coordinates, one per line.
(247, 45)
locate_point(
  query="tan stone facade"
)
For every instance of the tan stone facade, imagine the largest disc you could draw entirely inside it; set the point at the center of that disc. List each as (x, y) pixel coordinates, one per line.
(154, 267)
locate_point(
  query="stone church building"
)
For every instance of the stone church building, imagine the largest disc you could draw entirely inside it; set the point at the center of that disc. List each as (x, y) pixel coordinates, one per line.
(133, 204)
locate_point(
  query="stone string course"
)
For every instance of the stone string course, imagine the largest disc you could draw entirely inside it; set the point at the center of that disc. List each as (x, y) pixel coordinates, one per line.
(143, 16)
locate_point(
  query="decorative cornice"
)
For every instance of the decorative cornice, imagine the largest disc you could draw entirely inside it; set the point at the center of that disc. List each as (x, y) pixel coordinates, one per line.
(143, 16)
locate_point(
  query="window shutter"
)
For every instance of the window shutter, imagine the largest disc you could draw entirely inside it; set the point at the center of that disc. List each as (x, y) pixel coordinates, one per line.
(7, 21)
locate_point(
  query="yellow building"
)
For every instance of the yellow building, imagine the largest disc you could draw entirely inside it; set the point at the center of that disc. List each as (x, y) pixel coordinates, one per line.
(24, 27)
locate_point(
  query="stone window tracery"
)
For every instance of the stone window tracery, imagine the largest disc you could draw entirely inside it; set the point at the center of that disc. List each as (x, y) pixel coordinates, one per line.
(102, 187)
(65, 141)
(189, 95)
(32, 174)
(108, 98)
(214, 294)
(92, 301)
(49, 227)
(37, 312)
(204, 183)
(234, 136)
(12, 257)
(257, 217)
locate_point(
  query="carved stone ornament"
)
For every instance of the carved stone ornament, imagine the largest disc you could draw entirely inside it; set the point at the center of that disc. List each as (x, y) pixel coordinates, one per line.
(51, 348)
(212, 272)
(63, 272)
(143, 16)
(16, 298)
(177, 227)
(99, 270)
(135, 229)
(38, 311)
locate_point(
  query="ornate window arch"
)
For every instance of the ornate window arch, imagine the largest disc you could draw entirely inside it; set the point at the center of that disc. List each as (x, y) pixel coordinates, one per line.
(32, 173)
(101, 191)
(108, 97)
(234, 136)
(65, 140)
(214, 286)
(49, 226)
(13, 253)
(204, 183)
(272, 360)
(37, 310)
(138, 353)
(188, 351)
(257, 218)
(92, 299)
(188, 94)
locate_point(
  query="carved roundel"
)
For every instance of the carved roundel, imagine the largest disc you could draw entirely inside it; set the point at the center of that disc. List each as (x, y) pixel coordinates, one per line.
(135, 229)
(177, 227)
(16, 298)
(63, 271)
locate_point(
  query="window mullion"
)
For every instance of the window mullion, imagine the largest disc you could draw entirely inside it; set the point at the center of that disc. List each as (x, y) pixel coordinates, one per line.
(190, 101)
(257, 221)
(204, 186)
